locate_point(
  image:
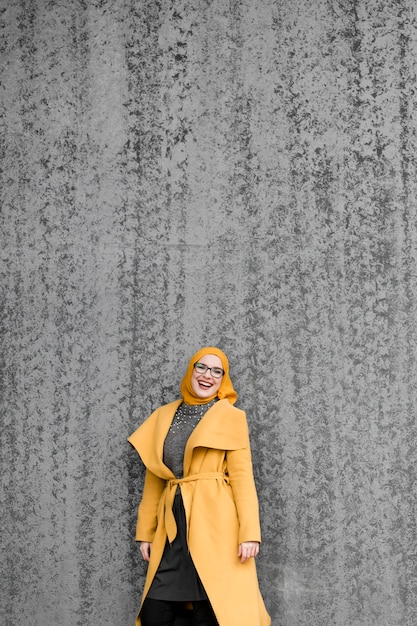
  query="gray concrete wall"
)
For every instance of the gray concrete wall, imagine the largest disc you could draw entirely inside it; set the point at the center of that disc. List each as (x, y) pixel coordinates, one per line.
(185, 173)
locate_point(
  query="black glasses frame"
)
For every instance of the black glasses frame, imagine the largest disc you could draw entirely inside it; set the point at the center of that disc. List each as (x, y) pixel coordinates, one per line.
(210, 369)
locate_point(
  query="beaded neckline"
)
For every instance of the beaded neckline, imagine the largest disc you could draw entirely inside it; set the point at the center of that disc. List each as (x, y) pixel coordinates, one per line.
(190, 414)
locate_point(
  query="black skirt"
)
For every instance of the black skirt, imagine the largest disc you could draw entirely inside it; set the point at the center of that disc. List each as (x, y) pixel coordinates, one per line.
(176, 578)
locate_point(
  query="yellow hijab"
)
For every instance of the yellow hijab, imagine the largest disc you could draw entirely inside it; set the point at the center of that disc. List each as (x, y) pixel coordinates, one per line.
(226, 389)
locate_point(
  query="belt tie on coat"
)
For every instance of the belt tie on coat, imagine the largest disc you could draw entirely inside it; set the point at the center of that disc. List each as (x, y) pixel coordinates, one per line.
(170, 490)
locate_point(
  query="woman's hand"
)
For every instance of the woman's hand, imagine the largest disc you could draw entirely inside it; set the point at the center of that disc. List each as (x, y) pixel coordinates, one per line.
(145, 549)
(247, 550)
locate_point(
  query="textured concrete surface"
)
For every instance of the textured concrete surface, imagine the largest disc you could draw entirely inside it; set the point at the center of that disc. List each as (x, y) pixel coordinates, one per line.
(182, 173)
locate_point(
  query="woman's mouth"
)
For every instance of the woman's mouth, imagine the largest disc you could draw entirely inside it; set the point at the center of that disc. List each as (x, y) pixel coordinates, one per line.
(204, 385)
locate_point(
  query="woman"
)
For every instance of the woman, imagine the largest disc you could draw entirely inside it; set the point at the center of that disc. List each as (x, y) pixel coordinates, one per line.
(198, 523)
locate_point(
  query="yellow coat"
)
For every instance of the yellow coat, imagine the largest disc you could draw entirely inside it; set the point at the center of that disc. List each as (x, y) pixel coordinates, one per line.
(220, 502)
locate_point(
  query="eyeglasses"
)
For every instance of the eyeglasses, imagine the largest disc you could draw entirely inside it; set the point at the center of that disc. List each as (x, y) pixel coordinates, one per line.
(201, 368)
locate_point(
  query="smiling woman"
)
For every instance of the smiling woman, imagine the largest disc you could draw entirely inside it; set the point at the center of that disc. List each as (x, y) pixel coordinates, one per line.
(198, 522)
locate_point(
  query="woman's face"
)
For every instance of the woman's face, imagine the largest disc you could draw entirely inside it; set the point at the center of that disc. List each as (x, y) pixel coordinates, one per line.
(204, 385)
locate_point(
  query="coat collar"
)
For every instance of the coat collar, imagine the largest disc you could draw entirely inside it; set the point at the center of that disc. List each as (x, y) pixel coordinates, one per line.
(217, 429)
(148, 439)
(223, 427)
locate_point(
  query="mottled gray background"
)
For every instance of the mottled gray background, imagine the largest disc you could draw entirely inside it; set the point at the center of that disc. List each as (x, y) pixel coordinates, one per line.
(182, 173)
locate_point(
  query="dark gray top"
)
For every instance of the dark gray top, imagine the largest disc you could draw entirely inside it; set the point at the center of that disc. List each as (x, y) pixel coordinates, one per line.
(176, 578)
(185, 420)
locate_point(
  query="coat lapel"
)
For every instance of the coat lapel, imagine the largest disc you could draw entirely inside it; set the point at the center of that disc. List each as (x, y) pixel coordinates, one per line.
(223, 427)
(149, 439)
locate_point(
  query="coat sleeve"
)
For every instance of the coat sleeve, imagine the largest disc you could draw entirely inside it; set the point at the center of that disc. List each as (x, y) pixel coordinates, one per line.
(240, 470)
(148, 507)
